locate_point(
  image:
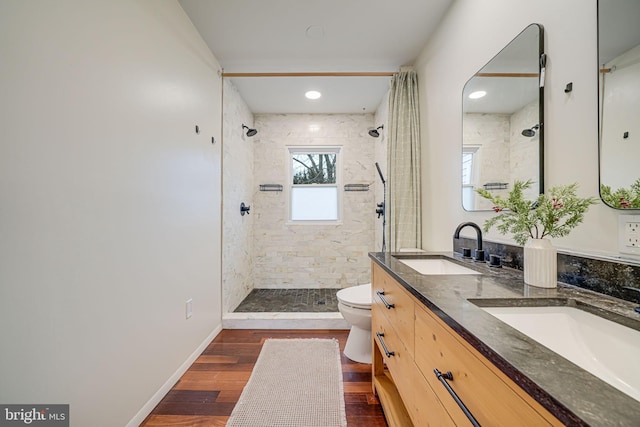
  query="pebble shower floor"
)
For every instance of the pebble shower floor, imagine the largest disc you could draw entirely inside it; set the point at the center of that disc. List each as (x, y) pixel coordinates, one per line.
(290, 301)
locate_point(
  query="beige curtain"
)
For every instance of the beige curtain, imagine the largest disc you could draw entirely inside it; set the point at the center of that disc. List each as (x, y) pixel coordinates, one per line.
(403, 162)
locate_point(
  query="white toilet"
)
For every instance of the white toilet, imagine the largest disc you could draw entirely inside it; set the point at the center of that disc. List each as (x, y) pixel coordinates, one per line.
(355, 305)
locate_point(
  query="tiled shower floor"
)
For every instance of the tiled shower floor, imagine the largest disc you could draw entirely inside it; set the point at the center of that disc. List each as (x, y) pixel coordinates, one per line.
(290, 300)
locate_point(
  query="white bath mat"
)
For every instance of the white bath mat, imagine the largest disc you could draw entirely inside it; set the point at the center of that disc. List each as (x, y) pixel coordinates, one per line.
(294, 383)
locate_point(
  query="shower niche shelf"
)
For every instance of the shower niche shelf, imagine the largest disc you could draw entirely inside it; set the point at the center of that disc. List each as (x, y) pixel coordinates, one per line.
(495, 186)
(356, 187)
(270, 187)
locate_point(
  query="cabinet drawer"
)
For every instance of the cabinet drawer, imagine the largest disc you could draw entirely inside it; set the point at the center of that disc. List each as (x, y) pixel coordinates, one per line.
(399, 309)
(400, 364)
(490, 396)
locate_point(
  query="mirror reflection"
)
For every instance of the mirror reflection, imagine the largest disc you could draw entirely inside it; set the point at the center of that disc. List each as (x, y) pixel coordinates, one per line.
(502, 136)
(619, 81)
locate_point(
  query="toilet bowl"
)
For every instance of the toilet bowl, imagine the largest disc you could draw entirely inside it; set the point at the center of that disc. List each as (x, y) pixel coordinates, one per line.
(355, 305)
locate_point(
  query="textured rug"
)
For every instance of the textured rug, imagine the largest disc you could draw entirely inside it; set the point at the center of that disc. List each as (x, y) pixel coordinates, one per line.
(294, 383)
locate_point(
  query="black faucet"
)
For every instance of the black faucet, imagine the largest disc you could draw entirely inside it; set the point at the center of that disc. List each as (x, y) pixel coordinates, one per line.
(479, 252)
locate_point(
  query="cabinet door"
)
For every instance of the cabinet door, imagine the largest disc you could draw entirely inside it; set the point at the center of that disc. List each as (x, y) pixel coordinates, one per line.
(490, 396)
(399, 305)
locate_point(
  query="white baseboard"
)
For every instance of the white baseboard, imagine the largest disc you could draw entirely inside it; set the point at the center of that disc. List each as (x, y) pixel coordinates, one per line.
(166, 387)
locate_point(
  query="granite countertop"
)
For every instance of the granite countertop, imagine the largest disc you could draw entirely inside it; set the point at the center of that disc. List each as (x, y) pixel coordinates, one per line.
(573, 395)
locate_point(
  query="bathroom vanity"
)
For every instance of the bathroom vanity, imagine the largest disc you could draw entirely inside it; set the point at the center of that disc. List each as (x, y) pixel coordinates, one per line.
(439, 358)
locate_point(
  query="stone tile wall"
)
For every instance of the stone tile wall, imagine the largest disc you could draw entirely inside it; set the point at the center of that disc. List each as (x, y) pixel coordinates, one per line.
(290, 255)
(238, 187)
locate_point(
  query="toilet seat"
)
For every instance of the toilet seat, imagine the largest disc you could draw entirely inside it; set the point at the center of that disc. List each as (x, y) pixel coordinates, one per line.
(356, 296)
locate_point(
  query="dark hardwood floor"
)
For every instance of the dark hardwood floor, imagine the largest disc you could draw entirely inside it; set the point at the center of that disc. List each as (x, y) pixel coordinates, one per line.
(208, 391)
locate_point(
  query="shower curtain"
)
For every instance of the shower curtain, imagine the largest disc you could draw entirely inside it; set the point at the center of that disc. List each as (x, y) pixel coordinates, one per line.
(403, 162)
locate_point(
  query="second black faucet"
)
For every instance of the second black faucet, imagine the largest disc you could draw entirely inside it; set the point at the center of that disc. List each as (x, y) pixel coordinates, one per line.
(479, 252)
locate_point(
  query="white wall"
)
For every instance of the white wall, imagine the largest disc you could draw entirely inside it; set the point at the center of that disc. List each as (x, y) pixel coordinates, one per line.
(305, 255)
(238, 187)
(470, 35)
(110, 212)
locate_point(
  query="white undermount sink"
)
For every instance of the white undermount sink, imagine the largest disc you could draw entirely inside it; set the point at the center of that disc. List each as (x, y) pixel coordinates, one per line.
(431, 266)
(606, 349)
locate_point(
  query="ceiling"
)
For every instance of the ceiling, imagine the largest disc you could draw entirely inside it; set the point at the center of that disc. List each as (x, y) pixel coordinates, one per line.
(314, 36)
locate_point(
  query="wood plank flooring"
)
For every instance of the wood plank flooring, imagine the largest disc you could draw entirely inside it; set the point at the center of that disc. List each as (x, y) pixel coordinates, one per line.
(208, 391)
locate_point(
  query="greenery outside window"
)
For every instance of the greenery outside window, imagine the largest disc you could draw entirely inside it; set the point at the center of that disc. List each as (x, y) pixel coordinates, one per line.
(314, 184)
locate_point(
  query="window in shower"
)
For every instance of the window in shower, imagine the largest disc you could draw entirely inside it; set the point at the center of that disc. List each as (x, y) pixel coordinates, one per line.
(469, 172)
(314, 183)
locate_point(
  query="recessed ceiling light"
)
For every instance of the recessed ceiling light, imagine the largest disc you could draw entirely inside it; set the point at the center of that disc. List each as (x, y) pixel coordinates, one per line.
(477, 94)
(313, 94)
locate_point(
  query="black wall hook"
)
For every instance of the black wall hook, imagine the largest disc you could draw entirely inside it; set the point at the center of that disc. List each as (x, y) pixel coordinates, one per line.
(244, 208)
(568, 88)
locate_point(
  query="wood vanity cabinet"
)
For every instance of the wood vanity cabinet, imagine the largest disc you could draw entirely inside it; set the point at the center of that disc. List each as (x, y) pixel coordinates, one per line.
(410, 342)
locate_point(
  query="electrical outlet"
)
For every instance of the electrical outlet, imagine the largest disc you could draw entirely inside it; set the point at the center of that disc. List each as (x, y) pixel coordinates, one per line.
(632, 234)
(629, 234)
(189, 308)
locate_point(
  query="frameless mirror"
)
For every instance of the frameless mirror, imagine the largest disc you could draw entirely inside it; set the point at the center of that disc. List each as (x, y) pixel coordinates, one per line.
(502, 122)
(619, 95)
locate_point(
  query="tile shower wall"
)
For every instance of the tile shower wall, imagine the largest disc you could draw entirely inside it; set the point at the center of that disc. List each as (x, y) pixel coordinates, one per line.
(238, 186)
(312, 256)
(504, 154)
(490, 133)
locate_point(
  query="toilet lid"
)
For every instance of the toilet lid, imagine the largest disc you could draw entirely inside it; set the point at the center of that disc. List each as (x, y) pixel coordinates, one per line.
(356, 296)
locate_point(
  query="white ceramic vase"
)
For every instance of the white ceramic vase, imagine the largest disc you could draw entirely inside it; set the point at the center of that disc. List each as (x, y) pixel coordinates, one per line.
(540, 263)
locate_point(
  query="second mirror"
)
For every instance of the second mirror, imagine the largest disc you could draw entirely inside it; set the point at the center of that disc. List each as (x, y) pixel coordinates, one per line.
(503, 129)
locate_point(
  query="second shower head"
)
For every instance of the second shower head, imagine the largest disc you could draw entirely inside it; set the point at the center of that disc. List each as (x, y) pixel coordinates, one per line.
(250, 131)
(531, 132)
(374, 132)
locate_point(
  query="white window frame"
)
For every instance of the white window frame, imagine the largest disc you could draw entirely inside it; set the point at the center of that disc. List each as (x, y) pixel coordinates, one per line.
(468, 189)
(337, 150)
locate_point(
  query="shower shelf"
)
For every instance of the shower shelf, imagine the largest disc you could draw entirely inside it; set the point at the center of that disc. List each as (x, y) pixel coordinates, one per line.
(270, 187)
(495, 186)
(356, 187)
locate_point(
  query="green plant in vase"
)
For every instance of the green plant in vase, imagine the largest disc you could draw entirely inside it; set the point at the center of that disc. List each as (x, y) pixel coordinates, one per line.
(532, 222)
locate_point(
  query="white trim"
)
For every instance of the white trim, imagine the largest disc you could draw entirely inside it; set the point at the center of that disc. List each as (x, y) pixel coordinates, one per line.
(168, 385)
(273, 320)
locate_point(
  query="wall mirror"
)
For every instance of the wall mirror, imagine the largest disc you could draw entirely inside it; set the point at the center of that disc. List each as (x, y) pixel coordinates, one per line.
(502, 122)
(619, 102)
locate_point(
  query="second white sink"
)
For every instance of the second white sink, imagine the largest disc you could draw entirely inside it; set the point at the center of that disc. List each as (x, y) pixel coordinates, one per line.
(606, 349)
(430, 266)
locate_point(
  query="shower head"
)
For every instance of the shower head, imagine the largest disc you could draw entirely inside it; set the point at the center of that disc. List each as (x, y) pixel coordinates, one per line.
(250, 132)
(374, 132)
(531, 131)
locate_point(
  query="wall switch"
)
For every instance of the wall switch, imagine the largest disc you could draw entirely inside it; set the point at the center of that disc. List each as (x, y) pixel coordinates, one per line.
(629, 234)
(189, 308)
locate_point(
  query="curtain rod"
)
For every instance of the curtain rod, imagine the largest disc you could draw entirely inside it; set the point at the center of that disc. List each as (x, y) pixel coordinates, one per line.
(507, 75)
(313, 74)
